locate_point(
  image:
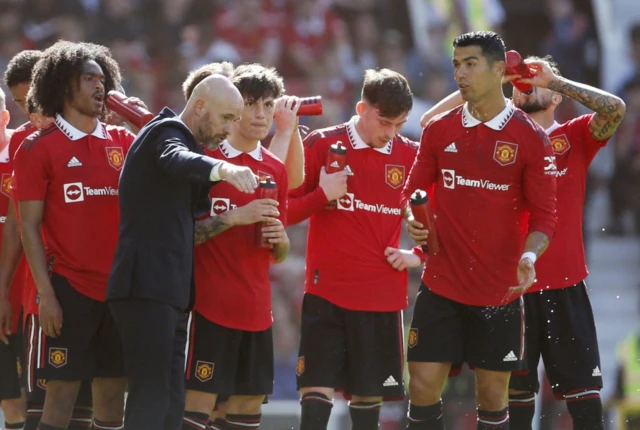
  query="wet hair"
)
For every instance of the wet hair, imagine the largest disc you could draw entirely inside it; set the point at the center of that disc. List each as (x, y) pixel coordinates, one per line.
(256, 82)
(196, 76)
(387, 91)
(491, 44)
(59, 70)
(548, 60)
(20, 67)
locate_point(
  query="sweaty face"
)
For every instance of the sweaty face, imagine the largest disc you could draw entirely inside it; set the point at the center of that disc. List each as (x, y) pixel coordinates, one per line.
(88, 92)
(216, 124)
(19, 95)
(539, 100)
(378, 130)
(473, 73)
(257, 117)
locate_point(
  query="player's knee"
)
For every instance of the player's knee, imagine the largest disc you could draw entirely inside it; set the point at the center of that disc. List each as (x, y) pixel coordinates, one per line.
(59, 401)
(426, 382)
(245, 405)
(108, 401)
(14, 410)
(325, 391)
(492, 395)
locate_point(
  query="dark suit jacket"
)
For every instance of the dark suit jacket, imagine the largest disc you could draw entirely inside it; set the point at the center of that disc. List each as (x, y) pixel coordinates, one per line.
(164, 186)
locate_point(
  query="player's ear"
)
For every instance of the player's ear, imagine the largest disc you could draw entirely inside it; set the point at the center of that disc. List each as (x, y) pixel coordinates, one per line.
(499, 67)
(360, 108)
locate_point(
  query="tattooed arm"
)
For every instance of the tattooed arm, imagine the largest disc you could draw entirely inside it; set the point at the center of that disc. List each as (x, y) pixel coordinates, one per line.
(260, 210)
(609, 108)
(212, 226)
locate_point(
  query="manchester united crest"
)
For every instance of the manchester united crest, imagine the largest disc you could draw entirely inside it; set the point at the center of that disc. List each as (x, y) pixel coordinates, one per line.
(505, 153)
(115, 156)
(42, 383)
(560, 144)
(300, 366)
(413, 337)
(394, 175)
(6, 184)
(57, 357)
(204, 371)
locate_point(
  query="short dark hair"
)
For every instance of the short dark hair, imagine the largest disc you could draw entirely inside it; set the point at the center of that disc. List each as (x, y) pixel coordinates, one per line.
(60, 68)
(490, 43)
(20, 67)
(196, 76)
(255, 82)
(387, 91)
(548, 59)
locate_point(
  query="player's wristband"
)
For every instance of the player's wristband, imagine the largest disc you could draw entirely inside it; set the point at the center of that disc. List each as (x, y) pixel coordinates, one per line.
(530, 255)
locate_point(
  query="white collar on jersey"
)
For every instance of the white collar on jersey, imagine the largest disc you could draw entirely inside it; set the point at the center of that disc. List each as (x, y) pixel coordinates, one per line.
(358, 143)
(553, 127)
(231, 152)
(74, 134)
(497, 123)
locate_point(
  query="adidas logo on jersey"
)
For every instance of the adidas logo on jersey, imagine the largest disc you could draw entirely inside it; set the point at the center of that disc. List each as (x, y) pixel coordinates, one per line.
(335, 164)
(510, 357)
(74, 162)
(390, 382)
(451, 148)
(596, 371)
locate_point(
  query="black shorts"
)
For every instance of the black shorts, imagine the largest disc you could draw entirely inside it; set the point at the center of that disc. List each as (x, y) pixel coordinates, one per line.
(486, 337)
(89, 345)
(222, 360)
(36, 388)
(10, 368)
(358, 352)
(561, 329)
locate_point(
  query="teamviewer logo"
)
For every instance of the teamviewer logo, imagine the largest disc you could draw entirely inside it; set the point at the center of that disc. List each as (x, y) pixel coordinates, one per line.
(449, 178)
(73, 192)
(346, 202)
(219, 205)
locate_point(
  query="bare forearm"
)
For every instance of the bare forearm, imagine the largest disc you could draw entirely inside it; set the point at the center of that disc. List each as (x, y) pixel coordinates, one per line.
(537, 243)
(280, 144)
(11, 251)
(37, 257)
(451, 101)
(295, 161)
(207, 228)
(609, 108)
(280, 251)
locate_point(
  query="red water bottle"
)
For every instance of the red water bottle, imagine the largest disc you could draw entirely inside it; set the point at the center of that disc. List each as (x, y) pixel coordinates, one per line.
(516, 66)
(336, 161)
(136, 115)
(310, 106)
(267, 189)
(423, 213)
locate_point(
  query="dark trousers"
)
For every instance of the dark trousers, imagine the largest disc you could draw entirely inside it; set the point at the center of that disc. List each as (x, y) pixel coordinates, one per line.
(154, 337)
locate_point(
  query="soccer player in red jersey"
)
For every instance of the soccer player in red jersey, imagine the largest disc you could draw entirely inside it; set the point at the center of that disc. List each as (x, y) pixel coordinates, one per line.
(351, 335)
(557, 306)
(230, 349)
(67, 175)
(12, 396)
(486, 165)
(14, 270)
(285, 145)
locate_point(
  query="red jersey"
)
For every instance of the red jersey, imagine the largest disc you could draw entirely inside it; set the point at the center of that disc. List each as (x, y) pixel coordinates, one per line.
(15, 289)
(232, 273)
(23, 279)
(487, 177)
(563, 263)
(76, 175)
(345, 247)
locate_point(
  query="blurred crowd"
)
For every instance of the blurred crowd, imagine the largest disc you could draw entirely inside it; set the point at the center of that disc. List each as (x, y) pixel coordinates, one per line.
(322, 47)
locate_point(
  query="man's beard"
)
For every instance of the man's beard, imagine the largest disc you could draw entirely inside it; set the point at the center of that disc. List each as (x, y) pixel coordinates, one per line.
(533, 106)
